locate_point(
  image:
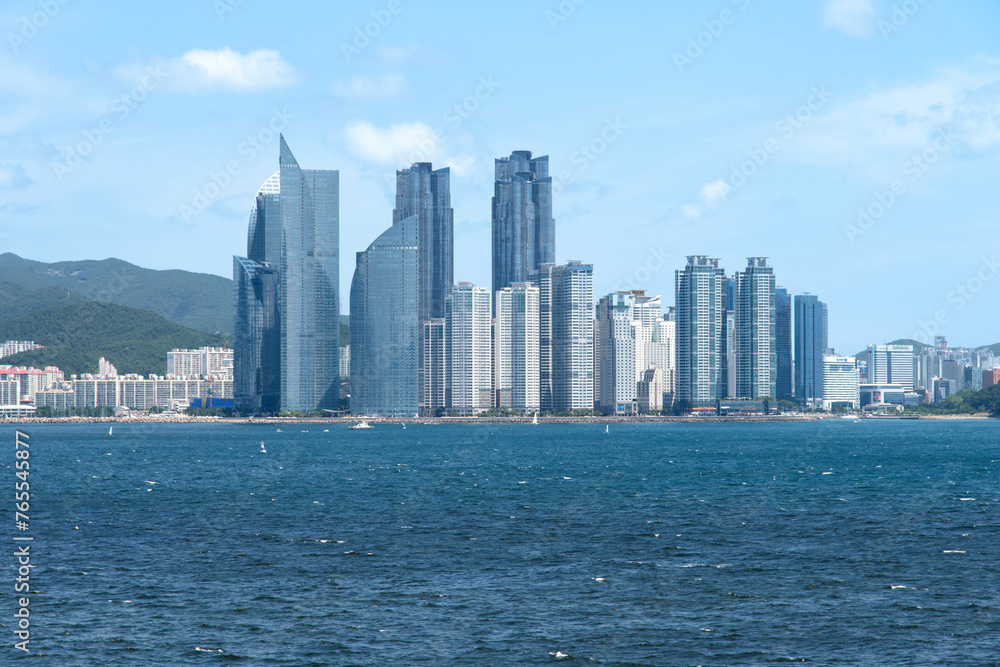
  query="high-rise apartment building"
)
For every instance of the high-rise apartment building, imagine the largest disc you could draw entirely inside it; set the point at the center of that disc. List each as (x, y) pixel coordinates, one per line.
(811, 333)
(756, 355)
(700, 304)
(617, 332)
(469, 378)
(435, 352)
(523, 227)
(385, 327)
(566, 335)
(515, 348)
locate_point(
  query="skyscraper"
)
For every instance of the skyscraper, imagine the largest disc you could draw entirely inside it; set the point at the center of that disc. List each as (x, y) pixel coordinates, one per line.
(309, 286)
(286, 330)
(617, 331)
(523, 227)
(425, 194)
(469, 365)
(783, 341)
(385, 328)
(700, 298)
(566, 335)
(810, 345)
(573, 336)
(515, 347)
(756, 357)
(435, 365)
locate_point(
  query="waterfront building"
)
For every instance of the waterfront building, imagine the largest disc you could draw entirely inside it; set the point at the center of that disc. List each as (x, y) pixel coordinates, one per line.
(385, 327)
(756, 349)
(783, 344)
(286, 294)
(811, 334)
(840, 382)
(891, 364)
(515, 348)
(469, 371)
(211, 362)
(617, 332)
(435, 349)
(700, 305)
(877, 395)
(566, 335)
(523, 226)
(652, 390)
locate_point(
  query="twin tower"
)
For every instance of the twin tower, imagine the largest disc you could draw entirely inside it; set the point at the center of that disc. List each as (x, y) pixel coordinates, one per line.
(286, 322)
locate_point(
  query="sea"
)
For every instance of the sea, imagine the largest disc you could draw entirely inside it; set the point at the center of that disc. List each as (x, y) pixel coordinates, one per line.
(826, 543)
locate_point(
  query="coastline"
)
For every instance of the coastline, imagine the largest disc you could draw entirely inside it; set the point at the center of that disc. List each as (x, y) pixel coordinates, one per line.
(349, 421)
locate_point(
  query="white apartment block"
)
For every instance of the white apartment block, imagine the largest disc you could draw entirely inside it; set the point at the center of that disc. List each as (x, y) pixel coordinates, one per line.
(469, 356)
(213, 362)
(516, 348)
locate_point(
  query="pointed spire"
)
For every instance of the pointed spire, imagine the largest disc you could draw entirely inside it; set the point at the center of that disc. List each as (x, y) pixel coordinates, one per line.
(285, 157)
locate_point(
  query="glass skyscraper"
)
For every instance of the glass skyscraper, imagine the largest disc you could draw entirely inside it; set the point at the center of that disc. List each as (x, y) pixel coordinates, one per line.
(310, 291)
(385, 324)
(756, 357)
(810, 346)
(256, 306)
(783, 341)
(524, 232)
(701, 298)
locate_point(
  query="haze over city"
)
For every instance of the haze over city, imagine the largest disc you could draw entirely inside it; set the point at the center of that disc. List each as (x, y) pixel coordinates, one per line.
(733, 130)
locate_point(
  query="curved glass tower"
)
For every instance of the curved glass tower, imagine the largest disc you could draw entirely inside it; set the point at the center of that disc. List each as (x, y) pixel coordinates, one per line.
(286, 319)
(385, 324)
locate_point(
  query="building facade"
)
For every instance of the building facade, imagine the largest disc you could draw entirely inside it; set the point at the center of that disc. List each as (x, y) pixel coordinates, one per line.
(891, 364)
(385, 326)
(811, 334)
(700, 305)
(756, 320)
(523, 226)
(784, 385)
(515, 348)
(469, 378)
(840, 382)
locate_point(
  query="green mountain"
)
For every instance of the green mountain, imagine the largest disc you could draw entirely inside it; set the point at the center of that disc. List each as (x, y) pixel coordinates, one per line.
(16, 301)
(195, 300)
(76, 335)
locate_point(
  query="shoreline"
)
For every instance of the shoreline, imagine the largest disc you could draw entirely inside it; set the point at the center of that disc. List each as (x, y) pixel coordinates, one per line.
(350, 421)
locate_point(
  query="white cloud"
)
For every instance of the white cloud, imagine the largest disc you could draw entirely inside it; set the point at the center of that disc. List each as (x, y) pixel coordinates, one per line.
(710, 195)
(398, 146)
(855, 18)
(895, 121)
(221, 69)
(367, 89)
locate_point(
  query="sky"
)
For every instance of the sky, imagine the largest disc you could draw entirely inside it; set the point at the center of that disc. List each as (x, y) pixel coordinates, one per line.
(852, 142)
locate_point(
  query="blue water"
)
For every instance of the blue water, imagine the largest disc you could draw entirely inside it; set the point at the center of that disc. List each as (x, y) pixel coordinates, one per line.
(512, 545)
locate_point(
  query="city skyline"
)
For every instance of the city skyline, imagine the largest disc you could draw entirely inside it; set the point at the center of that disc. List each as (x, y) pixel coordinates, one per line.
(683, 133)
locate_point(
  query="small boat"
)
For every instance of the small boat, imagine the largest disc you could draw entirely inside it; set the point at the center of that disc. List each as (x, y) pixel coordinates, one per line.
(262, 450)
(110, 430)
(607, 428)
(361, 425)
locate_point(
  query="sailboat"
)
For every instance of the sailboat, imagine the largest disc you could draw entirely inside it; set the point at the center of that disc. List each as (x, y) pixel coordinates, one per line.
(607, 429)
(110, 430)
(535, 420)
